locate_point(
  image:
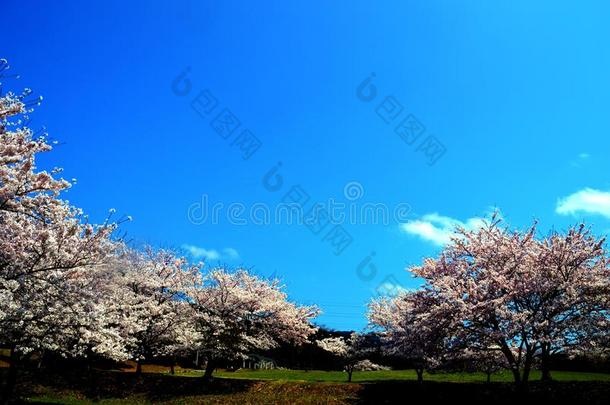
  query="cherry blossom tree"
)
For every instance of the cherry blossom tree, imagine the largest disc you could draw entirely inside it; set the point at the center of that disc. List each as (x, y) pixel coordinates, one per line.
(95, 324)
(367, 365)
(151, 287)
(569, 305)
(412, 328)
(487, 361)
(237, 312)
(528, 297)
(351, 351)
(45, 243)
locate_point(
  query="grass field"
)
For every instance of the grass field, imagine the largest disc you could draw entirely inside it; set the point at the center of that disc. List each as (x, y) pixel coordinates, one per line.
(259, 393)
(393, 375)
(300, 387)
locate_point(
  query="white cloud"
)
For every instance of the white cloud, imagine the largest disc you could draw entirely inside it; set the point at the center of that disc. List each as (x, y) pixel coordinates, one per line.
(580, 158)
(199, 252)
(390, 289)
(587, 201)
(438, 229)
(229, 254)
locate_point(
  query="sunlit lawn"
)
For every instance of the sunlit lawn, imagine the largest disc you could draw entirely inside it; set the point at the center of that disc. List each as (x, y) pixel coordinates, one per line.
(363, 376)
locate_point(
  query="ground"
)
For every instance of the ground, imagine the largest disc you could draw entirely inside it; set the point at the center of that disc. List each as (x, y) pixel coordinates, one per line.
(392, 375)
(300, 387)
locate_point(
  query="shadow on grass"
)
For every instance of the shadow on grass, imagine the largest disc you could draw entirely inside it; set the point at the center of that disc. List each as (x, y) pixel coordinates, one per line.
(154, 388)
(412, 392)
(98, 385)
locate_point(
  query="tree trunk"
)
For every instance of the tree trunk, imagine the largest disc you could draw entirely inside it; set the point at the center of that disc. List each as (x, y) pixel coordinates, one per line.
(11, 378)
(510, 358)
(546, 374)
(89, 357)
(91, 381)
(420, 374)
(138, 367)
(545, 363)
(172, 371)
(350, 371)
(525, 376)
(40, 359)
(209, 369)
(527, 366)
(488, 377)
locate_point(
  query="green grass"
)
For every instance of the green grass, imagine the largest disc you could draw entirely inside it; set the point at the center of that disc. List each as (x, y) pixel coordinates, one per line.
(289, 386)
(392, 375)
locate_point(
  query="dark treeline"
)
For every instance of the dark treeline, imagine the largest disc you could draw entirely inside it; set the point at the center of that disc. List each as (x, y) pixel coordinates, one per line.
(307, 356)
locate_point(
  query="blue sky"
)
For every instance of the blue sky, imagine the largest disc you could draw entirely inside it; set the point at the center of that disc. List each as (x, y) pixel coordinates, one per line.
(514, 93)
